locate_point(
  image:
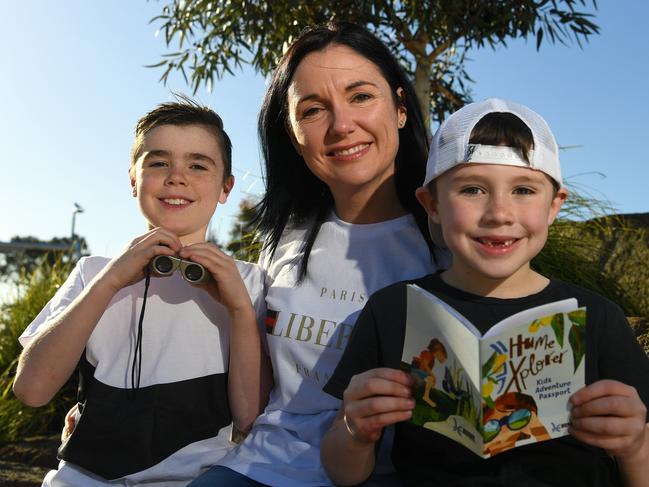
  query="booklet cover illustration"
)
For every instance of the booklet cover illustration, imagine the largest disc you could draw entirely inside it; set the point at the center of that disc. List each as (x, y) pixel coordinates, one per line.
(497, 391)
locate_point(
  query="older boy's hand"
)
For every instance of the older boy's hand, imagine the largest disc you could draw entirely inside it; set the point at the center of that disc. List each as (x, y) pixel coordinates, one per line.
(376, 399)
(128, 267)
(610, 415)
(226, 285)
(70, 423)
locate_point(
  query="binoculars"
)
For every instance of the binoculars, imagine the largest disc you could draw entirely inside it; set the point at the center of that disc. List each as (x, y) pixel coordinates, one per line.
(192, 272)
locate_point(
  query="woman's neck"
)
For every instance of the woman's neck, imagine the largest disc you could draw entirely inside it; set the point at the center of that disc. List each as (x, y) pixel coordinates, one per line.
(381, 204)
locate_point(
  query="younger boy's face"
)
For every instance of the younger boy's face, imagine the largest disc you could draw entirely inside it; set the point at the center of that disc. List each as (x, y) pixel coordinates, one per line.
(494, 219)
(178, 180)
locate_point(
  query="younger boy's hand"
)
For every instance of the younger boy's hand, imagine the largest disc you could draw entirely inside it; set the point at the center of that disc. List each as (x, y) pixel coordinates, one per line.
(226, 285)
(610, 415)
(128, 267)
(376, 399)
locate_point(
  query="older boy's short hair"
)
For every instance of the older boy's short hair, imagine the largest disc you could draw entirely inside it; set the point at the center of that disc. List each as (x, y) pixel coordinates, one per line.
(183, 111)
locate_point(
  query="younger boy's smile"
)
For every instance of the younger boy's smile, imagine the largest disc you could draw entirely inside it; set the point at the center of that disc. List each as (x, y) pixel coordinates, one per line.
(497, 244)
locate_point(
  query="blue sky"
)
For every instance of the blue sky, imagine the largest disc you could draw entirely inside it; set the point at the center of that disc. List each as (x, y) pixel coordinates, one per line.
(74, 83)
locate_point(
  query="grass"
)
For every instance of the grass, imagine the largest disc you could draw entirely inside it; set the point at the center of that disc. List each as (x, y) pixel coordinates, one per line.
(17, 420)
(602, 253)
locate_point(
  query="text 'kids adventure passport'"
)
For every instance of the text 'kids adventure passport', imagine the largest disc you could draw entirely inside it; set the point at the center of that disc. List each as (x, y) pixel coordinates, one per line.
(507, 388)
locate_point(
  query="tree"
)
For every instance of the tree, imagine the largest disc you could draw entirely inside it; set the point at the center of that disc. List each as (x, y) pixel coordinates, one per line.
(22, 255)
(244, 243)
(430, 38)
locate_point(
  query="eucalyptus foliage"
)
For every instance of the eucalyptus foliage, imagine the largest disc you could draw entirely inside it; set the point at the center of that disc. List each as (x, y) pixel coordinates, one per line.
(208, 39)
(244, 241)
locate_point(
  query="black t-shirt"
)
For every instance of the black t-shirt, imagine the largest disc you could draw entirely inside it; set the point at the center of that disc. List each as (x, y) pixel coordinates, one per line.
(424, 457)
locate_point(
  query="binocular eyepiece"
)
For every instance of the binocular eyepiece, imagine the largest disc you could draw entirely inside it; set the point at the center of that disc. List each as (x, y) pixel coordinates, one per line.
(164, 265)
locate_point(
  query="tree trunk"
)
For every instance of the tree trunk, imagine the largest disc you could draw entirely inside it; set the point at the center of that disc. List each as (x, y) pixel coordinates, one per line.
(422, 88)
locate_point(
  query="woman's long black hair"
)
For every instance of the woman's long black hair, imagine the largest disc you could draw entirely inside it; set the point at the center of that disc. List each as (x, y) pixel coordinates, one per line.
(293, 194)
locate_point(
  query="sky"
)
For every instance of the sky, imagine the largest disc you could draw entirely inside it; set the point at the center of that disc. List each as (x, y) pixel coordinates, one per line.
(74, 83)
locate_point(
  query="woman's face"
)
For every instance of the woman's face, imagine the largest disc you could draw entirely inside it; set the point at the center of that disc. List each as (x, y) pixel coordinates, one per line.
(344, 120)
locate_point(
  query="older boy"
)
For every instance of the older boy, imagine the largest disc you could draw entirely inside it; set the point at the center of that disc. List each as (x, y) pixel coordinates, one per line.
(493, 186)
(156, 386)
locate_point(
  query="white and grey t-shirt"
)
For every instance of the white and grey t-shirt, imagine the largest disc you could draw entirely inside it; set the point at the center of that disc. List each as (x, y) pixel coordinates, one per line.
(307, 327)
(166, 431)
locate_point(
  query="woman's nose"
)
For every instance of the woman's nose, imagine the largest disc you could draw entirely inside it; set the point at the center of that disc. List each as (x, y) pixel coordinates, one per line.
(342, 121)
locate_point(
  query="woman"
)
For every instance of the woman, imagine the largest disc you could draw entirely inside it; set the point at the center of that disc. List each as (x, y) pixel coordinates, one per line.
(345, 148)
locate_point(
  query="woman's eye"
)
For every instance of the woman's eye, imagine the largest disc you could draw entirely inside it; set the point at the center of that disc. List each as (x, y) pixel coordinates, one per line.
(361, 97)
(310, 112)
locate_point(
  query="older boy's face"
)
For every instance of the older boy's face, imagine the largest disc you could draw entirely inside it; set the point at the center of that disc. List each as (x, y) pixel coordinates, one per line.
(178, 180)
(494, 219)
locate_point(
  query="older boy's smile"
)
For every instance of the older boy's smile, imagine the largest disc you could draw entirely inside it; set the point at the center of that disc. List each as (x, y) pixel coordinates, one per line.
(176, 202)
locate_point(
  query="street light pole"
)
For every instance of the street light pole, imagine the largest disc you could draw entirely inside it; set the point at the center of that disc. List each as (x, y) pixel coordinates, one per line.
(77, 209)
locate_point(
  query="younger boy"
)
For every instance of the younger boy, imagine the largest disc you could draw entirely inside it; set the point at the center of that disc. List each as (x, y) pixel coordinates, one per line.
(156, 385)
(493, 186)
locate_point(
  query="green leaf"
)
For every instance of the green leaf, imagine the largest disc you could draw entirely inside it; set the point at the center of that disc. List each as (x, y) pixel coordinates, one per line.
(156, 65)
(557, 325)
(578, 317)
(576, 337)
(489, 402)
(486, 368)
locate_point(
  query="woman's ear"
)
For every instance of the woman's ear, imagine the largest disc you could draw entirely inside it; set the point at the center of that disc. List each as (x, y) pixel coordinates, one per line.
(402, 111)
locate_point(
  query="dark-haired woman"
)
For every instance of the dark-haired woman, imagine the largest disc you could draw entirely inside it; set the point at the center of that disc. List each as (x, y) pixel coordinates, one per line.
(345, 148)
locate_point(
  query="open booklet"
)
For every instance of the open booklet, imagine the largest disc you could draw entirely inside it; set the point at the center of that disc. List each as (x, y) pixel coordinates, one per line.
(497, 391)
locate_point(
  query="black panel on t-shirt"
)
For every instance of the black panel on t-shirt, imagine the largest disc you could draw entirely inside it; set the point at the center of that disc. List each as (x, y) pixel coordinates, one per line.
(123, 431)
